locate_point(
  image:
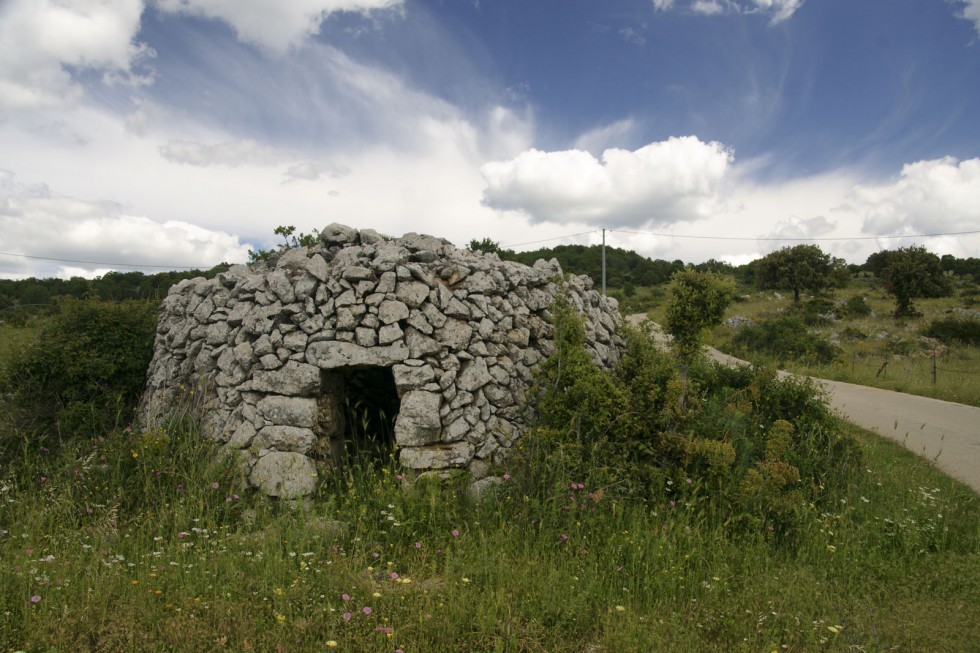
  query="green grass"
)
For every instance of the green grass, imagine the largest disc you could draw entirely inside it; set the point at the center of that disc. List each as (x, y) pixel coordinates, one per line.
(126, 544)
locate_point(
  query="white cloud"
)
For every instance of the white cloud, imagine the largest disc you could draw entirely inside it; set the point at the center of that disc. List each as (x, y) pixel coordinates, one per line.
(777, 10)
(660, 183)
(274, 24)
(935, 196)
(971, 12)
(708, 7)
(312, 171)
(602, 138)
(39, 38)
(38, 223)
(229, 153)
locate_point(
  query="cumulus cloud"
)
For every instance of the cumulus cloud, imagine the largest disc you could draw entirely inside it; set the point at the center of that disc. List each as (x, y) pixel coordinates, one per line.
(275, 25)
(662, 5)
(40, 38)
(38, 223)
(934, 196)
(660, 183)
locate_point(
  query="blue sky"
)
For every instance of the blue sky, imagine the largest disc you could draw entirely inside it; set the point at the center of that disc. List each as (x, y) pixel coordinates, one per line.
(181, 132)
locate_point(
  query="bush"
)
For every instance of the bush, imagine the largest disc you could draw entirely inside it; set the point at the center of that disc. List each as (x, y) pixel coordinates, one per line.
(744, 446)
(784, 338)
(83, 372)
(857, 307)
(964, 330)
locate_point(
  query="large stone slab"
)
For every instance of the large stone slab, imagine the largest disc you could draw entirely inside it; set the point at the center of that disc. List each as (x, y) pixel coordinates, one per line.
(418, 419)
(284, 474)
(328, 354)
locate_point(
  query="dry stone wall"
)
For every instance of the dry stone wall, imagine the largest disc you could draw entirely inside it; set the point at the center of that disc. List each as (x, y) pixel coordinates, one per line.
(275, 350)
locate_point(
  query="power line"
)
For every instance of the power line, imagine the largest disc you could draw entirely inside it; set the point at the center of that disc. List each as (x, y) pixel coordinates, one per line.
(647, 233)
(548, 240)
(120, 265)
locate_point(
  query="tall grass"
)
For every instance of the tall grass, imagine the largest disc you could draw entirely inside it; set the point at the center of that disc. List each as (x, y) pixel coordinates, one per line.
(144, 542)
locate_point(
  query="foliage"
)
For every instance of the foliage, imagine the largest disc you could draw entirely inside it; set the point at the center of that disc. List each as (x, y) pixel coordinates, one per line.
(801, 267)
(857, 306)
(783, 338)
(743, 438)
(290, 239)
(489, 246)
(23, 299)
(963, 330)
(910, 273)
(622, 266)
(82, 373)
(696, 301)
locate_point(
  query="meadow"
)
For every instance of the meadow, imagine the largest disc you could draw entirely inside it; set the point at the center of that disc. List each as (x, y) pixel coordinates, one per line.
(138, 543)
(749, 520)
(875, 349)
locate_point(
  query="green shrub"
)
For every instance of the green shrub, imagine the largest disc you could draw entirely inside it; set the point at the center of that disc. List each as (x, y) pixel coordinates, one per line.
(857, 306)
(964, 330)
(784, 338)
(745, 447)
(816, 312)
(82, 373)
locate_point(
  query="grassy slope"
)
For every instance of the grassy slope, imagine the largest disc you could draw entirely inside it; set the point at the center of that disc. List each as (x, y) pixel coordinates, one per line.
(957, 367)
(895, 566)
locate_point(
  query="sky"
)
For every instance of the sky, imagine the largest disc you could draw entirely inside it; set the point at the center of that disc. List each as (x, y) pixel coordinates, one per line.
(159, 134)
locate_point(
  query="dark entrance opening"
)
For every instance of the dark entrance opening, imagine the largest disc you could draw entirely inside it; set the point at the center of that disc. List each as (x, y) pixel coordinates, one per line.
(357, 411)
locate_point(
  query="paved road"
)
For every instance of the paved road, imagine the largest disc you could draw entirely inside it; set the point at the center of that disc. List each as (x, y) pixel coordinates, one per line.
(946, 433)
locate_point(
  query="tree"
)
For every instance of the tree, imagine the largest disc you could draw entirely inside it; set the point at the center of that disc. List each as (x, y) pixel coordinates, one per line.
(909, 273)
(485, 245)
(695, 301)
(801, 267)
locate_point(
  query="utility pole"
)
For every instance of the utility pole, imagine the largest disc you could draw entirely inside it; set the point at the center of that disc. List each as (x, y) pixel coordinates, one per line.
(603, 262)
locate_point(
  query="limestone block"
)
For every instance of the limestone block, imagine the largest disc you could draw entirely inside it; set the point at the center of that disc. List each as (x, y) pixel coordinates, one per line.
(438, 456)
(474, 375)
(392, 311)
(332, 354)
(295, 379)
(418, 419)
(284, 474)
(288, 411)
(284, 438)
(456, 334)
(389, 333)
(412, 293)
(411, 378)
(365, 337)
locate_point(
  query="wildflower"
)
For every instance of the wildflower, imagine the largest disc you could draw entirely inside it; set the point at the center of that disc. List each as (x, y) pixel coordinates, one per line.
(332, 643)
(280, 618)
(563, 537)
(506, 477)
(377, 595)
(346, 616)
(465, 579)
(688, 481)
(367, 610)
(215, 486)
(835, 629)
(455, 532)
(394, 576)
(418, 545)
(345, 597)
(620, 608)
(36, 598)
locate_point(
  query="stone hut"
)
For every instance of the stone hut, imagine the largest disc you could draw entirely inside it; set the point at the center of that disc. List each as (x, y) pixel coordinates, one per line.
(384, 345)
